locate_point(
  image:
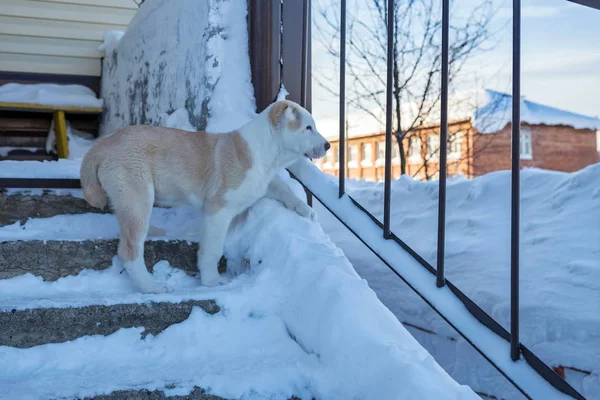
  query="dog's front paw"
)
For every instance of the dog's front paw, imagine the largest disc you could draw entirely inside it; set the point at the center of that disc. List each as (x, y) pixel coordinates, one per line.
(303, 210)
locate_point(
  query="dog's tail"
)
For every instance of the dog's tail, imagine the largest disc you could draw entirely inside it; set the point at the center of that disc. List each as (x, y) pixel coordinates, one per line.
(92, 189)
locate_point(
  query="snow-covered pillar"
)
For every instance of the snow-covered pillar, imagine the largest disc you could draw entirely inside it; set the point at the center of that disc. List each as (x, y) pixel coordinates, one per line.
(168, 60)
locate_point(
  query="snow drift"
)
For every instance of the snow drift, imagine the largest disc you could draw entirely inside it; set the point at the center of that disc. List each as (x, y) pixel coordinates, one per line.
(560, 264)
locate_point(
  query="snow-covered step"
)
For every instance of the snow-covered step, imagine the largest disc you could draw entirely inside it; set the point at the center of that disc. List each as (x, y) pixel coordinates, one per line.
(196, 394)
(36, 326)
(54, 259)
(19, 207)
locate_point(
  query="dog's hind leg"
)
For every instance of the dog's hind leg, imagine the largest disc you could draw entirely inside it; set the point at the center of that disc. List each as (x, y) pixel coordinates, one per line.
(133, 215)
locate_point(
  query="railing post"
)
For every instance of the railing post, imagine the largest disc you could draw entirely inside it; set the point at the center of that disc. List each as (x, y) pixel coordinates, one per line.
(264, 22)
(342, 138)
(305, 88)
(296, 73)
(441, 242)
(388, 123)
(515, 183)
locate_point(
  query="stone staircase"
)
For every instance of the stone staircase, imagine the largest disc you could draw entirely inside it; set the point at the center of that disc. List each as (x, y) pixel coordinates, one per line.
(26, 328)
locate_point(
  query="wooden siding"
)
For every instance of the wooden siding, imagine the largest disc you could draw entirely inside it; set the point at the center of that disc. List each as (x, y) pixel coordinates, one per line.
(58, 36)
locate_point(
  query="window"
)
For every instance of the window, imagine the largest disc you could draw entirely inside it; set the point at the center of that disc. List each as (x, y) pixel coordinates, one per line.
(381, 151)
(353, 157)
(525, 142)
(414, 149)
(433, 147)
(366, 154)
(380, 154)
(455, 146)
(395, 152)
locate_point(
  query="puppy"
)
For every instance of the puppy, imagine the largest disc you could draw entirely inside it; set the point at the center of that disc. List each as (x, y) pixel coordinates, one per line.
(221, 175)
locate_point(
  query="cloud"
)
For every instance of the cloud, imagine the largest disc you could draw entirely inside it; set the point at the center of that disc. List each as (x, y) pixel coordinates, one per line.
(564, 62)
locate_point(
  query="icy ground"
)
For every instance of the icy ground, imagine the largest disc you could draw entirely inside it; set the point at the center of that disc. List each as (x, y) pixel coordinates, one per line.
(560, 265)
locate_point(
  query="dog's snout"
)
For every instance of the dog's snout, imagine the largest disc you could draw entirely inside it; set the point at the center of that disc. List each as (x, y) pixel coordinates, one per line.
(327, 146)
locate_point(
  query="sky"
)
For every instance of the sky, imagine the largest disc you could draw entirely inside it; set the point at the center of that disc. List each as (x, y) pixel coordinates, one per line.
(560, 61)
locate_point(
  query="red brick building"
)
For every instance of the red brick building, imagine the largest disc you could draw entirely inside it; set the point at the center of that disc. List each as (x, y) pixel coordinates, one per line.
(550, 139)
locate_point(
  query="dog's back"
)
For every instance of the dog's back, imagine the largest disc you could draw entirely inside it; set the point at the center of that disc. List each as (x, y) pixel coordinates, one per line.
(180, 166)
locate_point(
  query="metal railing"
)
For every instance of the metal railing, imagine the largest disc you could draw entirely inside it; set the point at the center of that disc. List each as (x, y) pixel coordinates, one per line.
(265, 90)
(516, 348)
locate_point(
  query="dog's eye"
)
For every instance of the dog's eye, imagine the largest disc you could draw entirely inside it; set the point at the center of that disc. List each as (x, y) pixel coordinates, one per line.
(309, 128)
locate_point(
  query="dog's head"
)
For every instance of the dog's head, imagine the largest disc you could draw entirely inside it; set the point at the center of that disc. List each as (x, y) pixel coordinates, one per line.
(296, 129)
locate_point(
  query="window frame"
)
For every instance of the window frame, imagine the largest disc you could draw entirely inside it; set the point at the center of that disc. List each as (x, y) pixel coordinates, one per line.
(525, 133)
(366, 159)
(431, 156)
(415, 158)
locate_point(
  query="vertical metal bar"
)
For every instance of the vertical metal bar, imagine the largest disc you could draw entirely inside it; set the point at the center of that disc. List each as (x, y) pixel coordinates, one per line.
(60, 127)
(304, 80)
(342, 141)
(388, 122)
(304, 72)
(515, 183)
(441, 242)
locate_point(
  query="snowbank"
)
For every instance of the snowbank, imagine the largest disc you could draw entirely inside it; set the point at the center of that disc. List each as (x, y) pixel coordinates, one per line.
(177, 55)
(49, 94)
(297, 321)
(560, 264)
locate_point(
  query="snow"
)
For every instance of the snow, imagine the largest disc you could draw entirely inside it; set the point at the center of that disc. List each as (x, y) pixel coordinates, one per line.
(79, 142)
(293, 322)
(495, 112)
(110, 42)
(419, 278)
(179, 54)
(283, 93)
(49, 94)
(62, 168)
(231, 56)
(295, 318)
(560, 267)
(179, 119)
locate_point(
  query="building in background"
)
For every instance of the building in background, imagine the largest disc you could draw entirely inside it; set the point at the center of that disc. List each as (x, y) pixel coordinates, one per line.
(551, 139)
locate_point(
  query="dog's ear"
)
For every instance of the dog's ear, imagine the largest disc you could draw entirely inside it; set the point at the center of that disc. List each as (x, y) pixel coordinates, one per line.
(284, 112)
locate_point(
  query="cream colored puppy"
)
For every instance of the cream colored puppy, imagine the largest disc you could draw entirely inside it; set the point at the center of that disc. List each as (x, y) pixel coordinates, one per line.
(219, 174)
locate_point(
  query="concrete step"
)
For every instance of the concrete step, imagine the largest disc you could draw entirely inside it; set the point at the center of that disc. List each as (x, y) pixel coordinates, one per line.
(196, 394)
(36, 326)
(24, 155)
(20, 207)
(54, 259)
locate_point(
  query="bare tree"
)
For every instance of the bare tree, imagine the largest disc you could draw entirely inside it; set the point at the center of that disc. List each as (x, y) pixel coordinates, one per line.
(416, 57)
